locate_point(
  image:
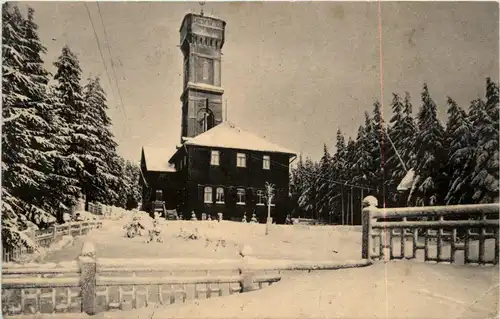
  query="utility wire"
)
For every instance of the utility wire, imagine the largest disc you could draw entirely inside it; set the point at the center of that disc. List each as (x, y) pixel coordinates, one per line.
(98, 44)
(395, 150)
(343, 183)
(111, 58)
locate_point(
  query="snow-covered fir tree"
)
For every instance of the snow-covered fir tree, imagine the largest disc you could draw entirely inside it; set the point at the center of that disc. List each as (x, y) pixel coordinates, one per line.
(307, 200)
(132, 187)
(81, 131)
(26, 145)
(324, 174)
(338, 172)
(485, 179)
(429, 186)
(364, 163)
(379, 145)
(104, 185)
(460, 155)
(400, 153)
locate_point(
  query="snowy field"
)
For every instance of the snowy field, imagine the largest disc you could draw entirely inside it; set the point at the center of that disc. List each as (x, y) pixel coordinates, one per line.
(221, 240)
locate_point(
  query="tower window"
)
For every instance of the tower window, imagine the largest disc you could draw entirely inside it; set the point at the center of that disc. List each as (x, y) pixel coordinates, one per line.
(241, 160)
(266, 162)
(240, 195)
(214, 160)
(208, 195)
(219, 195)
(205, 70)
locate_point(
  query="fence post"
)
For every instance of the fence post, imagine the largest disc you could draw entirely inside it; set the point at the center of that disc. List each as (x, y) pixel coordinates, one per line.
(88, 273)
(370, 204)
(246, 273)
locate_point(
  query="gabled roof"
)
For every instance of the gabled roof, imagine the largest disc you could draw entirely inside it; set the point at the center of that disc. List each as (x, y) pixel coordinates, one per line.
(157, 159)
(227, 135)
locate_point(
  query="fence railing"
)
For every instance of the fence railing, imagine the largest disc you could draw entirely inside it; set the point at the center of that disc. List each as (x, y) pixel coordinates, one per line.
(45, 237)
(440, 231)
(96, 208)
(94, 285)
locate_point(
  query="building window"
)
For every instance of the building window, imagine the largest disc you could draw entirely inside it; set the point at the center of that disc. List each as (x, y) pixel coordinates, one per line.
(219, 195)
(205, 70)
(208, 195)
(241, 160)
(260, 198)
(214, 160)
(266, 162)
(240, 196)
(159, 195)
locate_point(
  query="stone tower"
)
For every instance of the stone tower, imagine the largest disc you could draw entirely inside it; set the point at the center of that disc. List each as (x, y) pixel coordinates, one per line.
(202, 38)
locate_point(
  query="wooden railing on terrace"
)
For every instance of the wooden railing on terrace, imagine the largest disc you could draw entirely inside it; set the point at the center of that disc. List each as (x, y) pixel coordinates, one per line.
(440, 231)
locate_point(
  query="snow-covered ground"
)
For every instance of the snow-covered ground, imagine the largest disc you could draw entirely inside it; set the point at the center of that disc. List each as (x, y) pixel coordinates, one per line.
(283, 242)
(394, 290)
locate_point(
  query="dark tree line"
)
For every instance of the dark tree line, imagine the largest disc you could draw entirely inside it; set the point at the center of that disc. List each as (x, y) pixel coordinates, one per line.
(57, 143)
(455, 163)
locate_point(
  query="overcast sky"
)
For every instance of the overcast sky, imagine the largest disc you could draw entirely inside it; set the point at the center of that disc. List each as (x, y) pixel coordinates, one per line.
(292, 72)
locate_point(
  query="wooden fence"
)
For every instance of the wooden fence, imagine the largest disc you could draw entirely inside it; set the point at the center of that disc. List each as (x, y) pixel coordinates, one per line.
(94, 285)
(45, 237)
(442, 232)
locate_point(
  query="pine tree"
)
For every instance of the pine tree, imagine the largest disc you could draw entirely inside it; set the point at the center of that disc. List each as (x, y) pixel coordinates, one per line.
(307, 199)
(324, 169)
(26, 148)
(133, 190)
(429, 186)
(81, 132)
(378, 151)
(337, 173)
(104, 186)
(400, 147)
(485, 117)
(365, 164)
(460, 155)
(298, 185)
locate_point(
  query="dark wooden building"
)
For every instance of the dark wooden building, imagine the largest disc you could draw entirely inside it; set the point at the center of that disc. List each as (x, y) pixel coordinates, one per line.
(217, 167)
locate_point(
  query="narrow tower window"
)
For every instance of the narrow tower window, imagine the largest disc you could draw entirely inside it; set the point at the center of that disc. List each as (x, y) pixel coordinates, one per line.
(205, 70)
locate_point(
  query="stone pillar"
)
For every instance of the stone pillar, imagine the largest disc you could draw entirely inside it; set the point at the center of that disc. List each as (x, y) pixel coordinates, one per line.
(370, 204)
(247, 274)
(88, 273)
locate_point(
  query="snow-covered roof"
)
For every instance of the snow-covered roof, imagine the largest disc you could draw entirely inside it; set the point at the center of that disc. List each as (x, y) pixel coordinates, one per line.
(407, 181)
(157, 159)
(227, 135)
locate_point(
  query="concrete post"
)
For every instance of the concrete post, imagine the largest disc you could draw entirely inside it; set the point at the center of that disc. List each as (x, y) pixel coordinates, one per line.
(370, 203)
(246, 273)
(88, 284)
